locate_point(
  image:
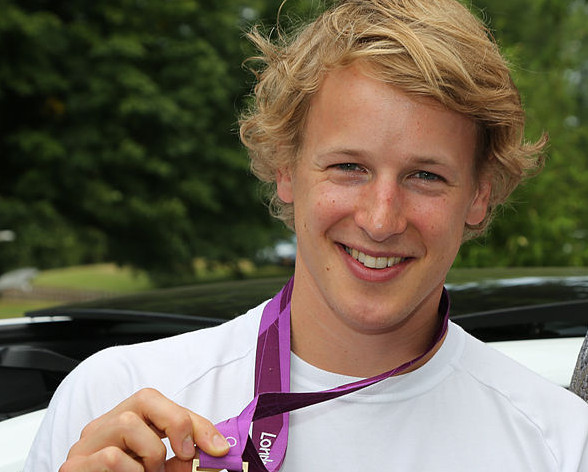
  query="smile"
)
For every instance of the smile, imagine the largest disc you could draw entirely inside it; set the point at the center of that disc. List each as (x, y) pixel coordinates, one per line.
(372, 262)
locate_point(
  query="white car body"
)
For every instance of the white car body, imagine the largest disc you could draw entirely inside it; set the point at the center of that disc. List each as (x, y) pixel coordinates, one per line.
(16, 438)
(554, 359)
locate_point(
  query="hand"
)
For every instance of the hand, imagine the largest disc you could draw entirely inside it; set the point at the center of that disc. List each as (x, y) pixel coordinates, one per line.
(128, 438)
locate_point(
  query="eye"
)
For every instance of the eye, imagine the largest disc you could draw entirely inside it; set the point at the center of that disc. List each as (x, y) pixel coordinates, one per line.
(349, 167)
(348, 173)
(428, 176)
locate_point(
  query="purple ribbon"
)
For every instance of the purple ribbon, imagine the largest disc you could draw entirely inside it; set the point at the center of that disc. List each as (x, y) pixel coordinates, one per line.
(268, 411)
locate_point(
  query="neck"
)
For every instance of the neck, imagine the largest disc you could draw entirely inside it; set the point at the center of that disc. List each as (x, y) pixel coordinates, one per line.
(323, 340)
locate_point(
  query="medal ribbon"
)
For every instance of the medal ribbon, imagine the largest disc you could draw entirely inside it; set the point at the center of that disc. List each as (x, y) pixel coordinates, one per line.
(268, 411)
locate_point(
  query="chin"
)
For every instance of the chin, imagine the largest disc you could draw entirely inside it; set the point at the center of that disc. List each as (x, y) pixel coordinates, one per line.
(371, 320)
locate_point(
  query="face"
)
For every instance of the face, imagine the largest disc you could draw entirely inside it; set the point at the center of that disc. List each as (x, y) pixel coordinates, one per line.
(382, 190)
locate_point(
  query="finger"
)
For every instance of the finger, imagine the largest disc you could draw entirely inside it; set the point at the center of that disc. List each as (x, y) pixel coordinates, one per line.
(126, 432)
(182, 427)
(207, 437)
(127, 427)
(164, 417)
(186, 430)
(110, 459)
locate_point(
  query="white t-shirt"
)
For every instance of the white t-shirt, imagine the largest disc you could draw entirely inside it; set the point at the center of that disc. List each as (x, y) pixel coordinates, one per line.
(469, 408)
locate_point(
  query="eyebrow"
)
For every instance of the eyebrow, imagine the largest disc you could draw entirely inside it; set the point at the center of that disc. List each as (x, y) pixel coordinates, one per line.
(345, 151)
(428, 160)
(414, 159)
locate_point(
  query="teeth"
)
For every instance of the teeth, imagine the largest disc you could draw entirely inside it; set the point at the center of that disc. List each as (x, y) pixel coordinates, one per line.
(370, 262)
(373, 262)
(381, 262)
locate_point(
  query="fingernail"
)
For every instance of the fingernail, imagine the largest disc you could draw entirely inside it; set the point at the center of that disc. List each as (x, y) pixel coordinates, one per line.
(188, 446)
(219, 442)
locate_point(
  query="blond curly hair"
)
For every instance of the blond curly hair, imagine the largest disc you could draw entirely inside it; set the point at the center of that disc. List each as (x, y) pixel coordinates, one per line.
(426, 48)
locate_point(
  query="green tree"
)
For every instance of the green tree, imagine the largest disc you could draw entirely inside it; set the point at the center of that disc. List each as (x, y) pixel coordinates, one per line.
(118, 135)
(547, 220)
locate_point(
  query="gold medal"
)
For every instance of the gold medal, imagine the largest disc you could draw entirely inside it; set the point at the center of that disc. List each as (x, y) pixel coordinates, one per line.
(196, 467)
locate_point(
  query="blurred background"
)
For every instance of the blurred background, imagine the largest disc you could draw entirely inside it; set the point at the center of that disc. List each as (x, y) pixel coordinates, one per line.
(120, 163)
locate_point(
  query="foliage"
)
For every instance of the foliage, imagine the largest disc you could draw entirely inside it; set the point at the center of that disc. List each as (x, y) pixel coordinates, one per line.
(546, 221)
(118, 135)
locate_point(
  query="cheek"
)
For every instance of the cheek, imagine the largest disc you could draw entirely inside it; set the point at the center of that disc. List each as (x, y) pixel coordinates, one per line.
(328, 204)
(441, 223)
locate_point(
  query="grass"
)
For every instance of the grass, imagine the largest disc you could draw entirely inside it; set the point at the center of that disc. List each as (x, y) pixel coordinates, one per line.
(111, 278)
(12, 308)
(100, 277)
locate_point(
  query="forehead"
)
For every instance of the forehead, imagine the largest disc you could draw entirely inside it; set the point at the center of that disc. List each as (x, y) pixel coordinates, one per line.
(352, 108)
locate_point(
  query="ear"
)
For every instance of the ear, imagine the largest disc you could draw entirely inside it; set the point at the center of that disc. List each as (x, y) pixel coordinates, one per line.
(479, 206)
(284, 185)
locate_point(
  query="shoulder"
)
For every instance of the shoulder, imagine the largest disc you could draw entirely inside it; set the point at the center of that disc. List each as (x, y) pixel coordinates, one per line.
(169, 364)
(523, 398)
(492, 369)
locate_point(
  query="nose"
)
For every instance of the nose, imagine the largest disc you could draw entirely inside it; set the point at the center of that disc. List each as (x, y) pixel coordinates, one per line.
(381, 212)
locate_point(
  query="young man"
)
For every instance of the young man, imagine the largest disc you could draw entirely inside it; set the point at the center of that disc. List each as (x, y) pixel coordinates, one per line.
(390, 129)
